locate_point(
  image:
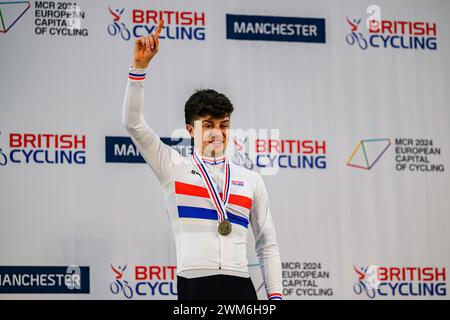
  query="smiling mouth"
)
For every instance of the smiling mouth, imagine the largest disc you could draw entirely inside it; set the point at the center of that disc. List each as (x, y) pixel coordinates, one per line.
(216, 143)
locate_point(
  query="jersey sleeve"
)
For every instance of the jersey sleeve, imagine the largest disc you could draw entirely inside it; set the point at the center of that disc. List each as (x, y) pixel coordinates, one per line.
(159, 156)
(265, 241)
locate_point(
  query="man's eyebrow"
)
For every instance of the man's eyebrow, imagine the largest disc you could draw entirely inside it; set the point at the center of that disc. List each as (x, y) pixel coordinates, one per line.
(212, 120)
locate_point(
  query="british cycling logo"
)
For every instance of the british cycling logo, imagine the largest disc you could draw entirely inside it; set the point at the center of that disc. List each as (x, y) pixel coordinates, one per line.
(44, 148)
(375, 281)
(263, 153)
(396, 34)
(154, 280)
(179, 25)
(11, 12)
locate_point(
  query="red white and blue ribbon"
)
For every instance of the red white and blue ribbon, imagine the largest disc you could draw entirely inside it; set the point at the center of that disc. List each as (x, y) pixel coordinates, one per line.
(219, 203)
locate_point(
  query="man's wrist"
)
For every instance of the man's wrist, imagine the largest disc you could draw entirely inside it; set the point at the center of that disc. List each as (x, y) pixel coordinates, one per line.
(139, 65)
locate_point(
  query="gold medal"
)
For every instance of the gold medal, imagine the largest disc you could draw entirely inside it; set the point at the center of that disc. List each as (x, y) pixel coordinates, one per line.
(224, 228)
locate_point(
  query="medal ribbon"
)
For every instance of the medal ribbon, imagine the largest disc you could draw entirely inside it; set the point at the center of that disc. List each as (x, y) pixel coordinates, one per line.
(219, 203)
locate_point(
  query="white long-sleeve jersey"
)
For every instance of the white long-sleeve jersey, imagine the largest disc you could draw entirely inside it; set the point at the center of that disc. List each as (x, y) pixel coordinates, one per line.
(201, 250)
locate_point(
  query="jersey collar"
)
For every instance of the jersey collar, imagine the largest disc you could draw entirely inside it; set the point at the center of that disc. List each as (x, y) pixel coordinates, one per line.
(214, 161)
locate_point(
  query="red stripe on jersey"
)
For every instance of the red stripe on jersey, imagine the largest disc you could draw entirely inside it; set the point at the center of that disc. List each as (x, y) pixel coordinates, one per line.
(197, 191)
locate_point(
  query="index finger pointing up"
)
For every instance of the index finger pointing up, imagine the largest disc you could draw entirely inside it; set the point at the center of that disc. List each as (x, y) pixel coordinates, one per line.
(160, 25)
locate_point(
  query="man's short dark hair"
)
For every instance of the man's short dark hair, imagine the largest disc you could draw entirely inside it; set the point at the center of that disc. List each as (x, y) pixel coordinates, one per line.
(207, 102)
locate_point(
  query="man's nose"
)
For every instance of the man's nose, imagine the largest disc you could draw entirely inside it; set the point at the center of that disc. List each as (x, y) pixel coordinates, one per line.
(216, 131)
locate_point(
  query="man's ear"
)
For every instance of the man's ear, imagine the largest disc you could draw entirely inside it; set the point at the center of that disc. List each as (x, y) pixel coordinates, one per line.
(190, 129)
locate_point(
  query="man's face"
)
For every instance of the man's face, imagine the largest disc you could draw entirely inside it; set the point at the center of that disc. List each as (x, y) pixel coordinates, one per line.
(212, 133)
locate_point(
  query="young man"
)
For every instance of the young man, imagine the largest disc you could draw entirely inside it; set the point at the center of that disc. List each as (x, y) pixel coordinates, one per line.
(210, 201)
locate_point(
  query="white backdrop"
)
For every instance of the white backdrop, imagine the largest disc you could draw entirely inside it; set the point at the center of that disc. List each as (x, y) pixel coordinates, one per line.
(329, 221)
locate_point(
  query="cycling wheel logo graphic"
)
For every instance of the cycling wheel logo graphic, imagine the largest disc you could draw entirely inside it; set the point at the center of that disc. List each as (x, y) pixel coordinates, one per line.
(120, 286)
(368, 152)
(240, 156)
(355, 36)
(368, 281)
(118, 27)
(11, 12)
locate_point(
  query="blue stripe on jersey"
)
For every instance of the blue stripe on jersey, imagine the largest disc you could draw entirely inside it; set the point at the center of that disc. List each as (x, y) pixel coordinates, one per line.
(209, 214)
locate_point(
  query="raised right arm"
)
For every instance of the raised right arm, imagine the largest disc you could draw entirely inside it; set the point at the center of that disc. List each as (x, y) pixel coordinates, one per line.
(161, 157)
